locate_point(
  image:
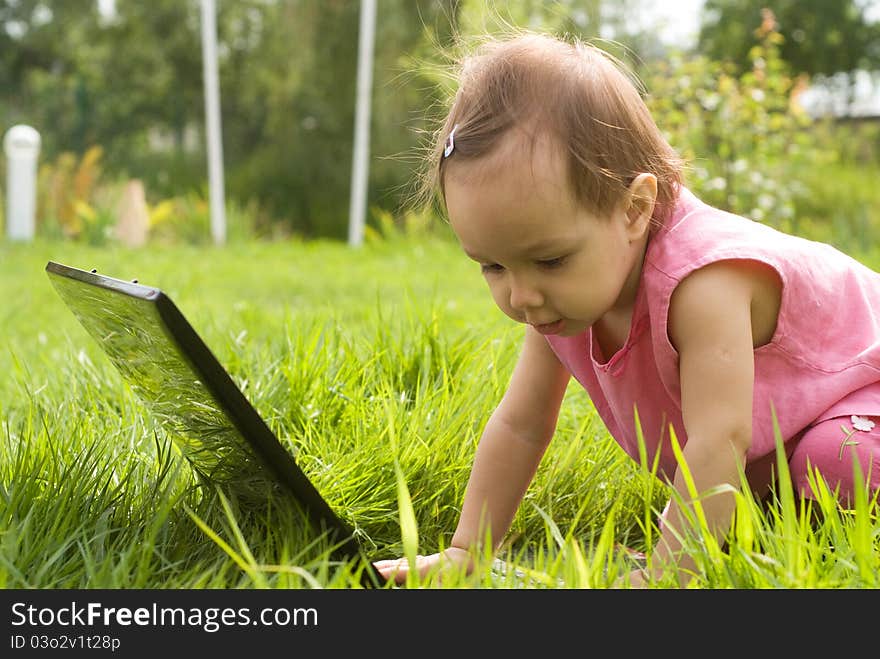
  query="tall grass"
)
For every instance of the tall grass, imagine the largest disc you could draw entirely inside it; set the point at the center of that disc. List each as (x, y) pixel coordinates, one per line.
(377, 368)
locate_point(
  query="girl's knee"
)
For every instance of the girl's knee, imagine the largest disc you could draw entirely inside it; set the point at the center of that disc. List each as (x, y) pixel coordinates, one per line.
(842, 451)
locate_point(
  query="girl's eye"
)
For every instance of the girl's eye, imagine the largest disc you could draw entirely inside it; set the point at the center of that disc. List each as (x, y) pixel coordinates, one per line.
(487, 268)
(552, 263)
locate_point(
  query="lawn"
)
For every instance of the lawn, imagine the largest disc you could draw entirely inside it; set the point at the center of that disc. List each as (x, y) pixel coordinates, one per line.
(377, 368)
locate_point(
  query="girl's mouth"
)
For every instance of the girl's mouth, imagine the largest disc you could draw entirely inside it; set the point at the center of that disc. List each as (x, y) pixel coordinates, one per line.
(550, 328)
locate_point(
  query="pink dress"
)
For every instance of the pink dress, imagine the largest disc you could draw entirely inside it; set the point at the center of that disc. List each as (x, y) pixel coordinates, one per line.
(823, 361)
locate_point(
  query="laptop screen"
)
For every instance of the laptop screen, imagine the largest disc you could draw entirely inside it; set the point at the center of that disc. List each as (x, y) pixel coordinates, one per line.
(173, 372)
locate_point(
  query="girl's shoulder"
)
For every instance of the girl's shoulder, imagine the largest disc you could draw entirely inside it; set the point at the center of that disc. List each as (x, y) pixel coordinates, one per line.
(802, 283)
(698, 234)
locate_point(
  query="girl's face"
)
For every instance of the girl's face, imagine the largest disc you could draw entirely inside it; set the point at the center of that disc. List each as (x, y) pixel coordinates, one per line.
(548, 261)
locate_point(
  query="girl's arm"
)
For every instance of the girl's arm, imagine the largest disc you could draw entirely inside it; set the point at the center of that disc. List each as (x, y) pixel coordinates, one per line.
(510, 449)
(710, 326)
(512, 444)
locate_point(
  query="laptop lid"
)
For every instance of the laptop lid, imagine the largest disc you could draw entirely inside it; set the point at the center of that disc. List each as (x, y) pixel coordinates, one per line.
(172, 370)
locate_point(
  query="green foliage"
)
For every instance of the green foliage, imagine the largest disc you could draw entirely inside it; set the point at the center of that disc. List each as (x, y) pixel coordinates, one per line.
(744, 139)
(287, 72)
(842, 208)
(65, 190)
(412, 225)
(753, 151)
(609, 23)
(39, 69)
(818, 37)
(75, 201)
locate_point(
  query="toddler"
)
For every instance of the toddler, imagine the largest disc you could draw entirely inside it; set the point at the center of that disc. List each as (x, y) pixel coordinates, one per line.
(559, 184)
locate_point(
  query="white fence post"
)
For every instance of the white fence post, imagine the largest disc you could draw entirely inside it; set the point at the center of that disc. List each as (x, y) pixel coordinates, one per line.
(216, 183)
(357, 211)
(22, 145)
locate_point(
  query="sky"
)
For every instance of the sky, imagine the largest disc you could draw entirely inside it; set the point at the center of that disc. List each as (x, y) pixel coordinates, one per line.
(677, 20)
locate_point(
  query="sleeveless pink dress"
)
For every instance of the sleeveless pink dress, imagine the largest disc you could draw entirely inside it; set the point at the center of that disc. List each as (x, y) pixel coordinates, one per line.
(822, 362)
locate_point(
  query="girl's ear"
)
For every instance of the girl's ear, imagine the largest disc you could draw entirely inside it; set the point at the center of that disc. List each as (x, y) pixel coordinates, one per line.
(641, 199)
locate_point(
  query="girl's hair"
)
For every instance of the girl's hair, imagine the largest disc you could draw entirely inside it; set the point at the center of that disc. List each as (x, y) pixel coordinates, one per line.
(573, 92)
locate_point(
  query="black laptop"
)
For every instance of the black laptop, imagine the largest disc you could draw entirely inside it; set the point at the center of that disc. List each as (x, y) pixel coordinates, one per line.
(170, 368)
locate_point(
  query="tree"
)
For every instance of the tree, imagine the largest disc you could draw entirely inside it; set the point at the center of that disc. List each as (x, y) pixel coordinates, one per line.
(819, 37)
(288, 108)
(36, 54)
(287, 77)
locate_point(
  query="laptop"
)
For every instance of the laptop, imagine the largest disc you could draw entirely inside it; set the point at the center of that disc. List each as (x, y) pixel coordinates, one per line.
(172, 370)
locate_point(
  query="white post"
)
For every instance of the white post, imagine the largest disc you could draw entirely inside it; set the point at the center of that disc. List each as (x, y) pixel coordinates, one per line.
(22, 145)
(212, 121)
(360, 158)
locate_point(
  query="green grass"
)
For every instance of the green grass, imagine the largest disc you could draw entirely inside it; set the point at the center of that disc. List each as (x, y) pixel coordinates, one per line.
(378, 368)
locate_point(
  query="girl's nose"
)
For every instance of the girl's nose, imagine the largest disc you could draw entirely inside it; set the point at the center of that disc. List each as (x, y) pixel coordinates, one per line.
(524, 296)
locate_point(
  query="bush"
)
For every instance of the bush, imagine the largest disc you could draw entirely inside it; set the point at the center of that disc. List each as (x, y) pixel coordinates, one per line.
(744, 138)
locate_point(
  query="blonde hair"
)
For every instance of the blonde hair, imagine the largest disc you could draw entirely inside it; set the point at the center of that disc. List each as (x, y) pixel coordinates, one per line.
(574, 92)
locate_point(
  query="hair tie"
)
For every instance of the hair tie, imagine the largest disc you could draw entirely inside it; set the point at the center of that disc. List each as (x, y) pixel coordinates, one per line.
(450, 142)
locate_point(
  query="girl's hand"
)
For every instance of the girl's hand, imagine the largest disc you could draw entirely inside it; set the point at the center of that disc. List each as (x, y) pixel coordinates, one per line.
(638, 579)
(398, 568)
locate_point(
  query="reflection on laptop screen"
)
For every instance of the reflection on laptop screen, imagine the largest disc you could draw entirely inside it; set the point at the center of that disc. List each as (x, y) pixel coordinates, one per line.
(131, 332)
(173, 372)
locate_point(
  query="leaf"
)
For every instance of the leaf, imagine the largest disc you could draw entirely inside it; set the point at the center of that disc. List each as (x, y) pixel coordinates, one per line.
(409, 531)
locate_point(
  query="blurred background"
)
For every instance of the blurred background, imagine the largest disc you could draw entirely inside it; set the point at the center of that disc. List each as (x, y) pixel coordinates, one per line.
(776, 104)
